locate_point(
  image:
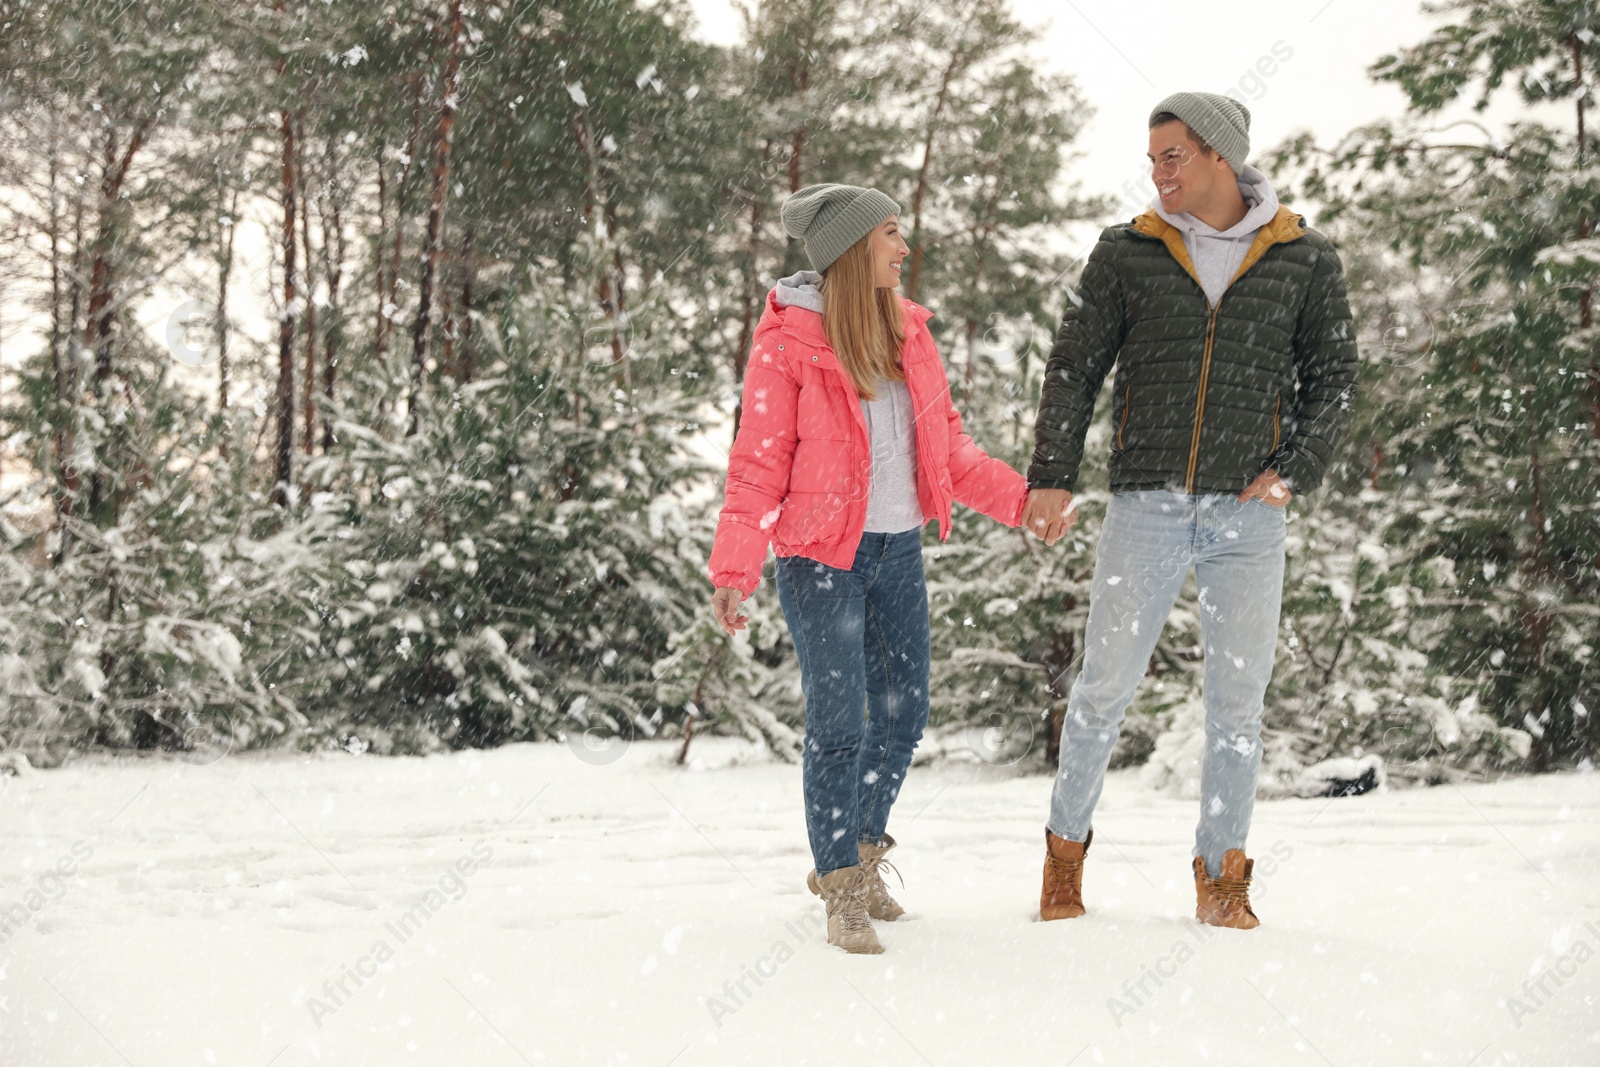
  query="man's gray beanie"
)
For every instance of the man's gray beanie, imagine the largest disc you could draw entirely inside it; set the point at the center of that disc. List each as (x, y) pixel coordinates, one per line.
(832, 217)
(1221, 121)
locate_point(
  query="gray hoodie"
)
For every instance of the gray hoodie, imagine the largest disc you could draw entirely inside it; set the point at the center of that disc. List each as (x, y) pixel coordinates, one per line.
(1218, 253)
(800, 290)
(892, 505)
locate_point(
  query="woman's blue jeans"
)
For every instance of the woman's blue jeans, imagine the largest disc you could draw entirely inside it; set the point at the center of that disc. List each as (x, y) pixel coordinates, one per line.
(1147, 545)
(862, 639)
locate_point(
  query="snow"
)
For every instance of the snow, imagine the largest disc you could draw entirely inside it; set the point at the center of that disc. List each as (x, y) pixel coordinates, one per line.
(532, 905)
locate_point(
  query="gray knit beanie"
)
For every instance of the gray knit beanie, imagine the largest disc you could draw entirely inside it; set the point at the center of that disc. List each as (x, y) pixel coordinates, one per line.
(831, 217)
(1221, 121)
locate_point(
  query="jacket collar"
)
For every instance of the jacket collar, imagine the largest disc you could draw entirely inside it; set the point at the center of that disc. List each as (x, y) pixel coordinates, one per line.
(1284, 227)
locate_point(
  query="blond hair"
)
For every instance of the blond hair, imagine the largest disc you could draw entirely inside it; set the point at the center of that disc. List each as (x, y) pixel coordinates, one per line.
(864, 323)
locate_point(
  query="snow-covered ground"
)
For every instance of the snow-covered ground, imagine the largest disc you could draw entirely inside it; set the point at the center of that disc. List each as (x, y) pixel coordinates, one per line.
(527, 906)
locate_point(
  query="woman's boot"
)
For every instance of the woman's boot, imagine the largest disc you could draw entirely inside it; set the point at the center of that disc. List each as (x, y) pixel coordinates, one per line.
(845, 893)
(880, 905)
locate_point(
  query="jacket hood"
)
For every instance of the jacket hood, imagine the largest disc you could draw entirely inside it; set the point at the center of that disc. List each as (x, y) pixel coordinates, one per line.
(1261, 205)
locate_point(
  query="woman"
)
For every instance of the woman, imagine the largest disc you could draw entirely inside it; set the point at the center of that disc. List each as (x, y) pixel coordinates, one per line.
(847, 444)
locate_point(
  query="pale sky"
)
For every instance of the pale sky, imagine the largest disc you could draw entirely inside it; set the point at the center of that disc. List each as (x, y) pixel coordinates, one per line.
(1127, 55)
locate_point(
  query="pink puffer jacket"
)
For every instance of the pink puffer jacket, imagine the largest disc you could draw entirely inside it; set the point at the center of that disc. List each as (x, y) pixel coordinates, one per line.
(801, 465)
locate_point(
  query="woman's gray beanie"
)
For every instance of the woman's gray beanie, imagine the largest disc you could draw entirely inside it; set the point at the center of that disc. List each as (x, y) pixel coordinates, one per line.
(831, 217)
(1221, 121)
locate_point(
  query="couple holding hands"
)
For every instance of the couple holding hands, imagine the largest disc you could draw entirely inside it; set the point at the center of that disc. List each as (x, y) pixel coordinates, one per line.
(848, 442)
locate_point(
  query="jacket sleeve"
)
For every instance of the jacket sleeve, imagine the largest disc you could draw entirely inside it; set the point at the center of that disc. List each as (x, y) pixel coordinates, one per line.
(980, 481)
(1326, 360)
(1086, 346)
(758, 469)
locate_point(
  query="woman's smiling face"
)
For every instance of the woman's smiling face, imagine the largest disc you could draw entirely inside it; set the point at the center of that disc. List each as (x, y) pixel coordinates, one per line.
(887, 251)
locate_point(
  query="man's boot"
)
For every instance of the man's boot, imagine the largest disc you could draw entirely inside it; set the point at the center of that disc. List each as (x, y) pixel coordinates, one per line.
(880, 905)
(1062, 896)
(1225, 899)
(845, 893)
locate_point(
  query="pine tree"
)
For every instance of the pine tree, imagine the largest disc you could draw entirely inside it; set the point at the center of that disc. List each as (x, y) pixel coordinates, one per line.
(523, 556)
(1483, 448)
(173, 626)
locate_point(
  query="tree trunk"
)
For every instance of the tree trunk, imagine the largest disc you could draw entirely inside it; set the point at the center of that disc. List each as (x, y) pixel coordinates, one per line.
(920, 190)
(688, 722)
(63, 403)
(752, 294)
(54, 234)
(799, 82)
(1063, 649)
(225, 235)
(283, 402)
(309, 406)
(1586, 300)
(597, 206)
(390, 299)
(378, 276)
(67, 474)
(101, 315)
(1536, 618)
(333, 256)
(99, 321)
(982, 238)
(441, 179)
(616, 299)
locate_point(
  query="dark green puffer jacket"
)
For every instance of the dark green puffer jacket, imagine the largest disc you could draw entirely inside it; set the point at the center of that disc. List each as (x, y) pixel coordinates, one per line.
(1205, 399)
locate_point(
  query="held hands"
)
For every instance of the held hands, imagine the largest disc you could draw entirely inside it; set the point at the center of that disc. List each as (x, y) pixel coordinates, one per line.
(1269, 488)
(725, 606)
(1049, 513)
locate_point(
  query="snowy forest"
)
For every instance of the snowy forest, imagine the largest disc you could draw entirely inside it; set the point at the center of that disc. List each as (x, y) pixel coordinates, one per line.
(368, 372)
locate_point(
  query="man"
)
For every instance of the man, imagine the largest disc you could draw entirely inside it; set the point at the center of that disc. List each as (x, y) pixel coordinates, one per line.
(1236, 363)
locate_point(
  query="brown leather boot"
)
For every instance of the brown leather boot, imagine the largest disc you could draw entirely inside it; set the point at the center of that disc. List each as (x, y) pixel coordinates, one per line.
(845, 893)
(1225, 899)
(880, 905)
(1062, 896)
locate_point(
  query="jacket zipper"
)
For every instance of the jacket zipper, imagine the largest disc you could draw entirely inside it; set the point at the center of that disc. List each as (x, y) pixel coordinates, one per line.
(1200, 400)
(1277, 421)
(1205, 362)
(1127, 399)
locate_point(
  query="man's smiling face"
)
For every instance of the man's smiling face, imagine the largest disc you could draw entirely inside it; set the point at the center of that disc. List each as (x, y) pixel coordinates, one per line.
(1185, 176)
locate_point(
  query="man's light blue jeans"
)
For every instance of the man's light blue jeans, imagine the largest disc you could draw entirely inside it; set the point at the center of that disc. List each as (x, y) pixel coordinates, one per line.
(1147, 545)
